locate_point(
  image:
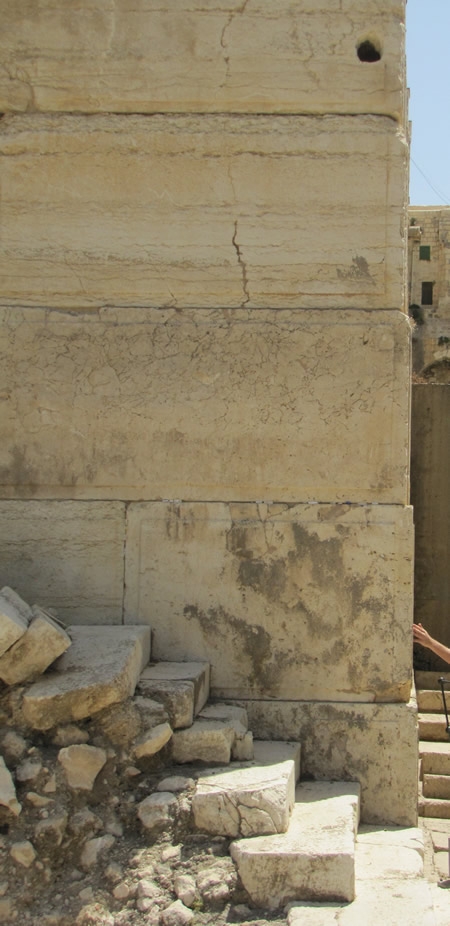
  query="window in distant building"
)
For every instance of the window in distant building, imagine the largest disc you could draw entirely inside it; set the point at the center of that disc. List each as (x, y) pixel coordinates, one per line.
(424, 252)
(427, 293)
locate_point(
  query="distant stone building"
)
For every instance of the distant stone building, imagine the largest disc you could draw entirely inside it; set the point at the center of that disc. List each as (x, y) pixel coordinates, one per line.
(429, 290)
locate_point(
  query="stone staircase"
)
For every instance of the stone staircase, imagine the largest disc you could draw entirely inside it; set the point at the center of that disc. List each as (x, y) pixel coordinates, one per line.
(293, 841)
(434, 747)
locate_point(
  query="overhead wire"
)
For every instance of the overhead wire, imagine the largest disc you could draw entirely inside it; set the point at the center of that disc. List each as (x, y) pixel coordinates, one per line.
(435, 190)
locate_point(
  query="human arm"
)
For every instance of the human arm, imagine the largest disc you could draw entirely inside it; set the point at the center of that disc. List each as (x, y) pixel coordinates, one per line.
(423, 637)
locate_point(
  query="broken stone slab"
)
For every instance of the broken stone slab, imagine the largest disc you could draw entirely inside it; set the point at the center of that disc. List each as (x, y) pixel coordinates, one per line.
(81, 764)
(100, 668)
(206, 741)
(15, 615)
(154, 811)
(314, 859)
(270, 752)
(8, 796)
(196, 672)
(153, 741)
(242, 747)
(176, 697)
(251, 801)
(43, 641)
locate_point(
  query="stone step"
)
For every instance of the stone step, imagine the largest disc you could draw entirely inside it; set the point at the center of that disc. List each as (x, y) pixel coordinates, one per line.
(437, 786)
(101, 667)
(434, 758)
(430, 680)
(252, 799)
(432, 727)
(430, 701)
(315, 859)
(182, 687)
(390, 888)
(433, 806)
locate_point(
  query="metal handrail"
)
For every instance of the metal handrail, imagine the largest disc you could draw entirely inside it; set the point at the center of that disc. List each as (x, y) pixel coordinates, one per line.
(445, 681)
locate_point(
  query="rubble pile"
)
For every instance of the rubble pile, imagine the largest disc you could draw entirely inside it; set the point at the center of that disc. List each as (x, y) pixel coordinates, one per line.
(96, 821)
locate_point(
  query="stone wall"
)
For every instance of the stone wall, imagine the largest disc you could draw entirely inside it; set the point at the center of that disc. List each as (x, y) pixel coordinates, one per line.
(430, 493)
(429, 261)
(205, 361)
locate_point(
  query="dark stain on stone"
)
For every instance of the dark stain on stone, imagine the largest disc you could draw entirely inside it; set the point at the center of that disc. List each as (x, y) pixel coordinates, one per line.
(236, 541)
(359, 270)
(268, 579)
(19, 472)
(250, 640)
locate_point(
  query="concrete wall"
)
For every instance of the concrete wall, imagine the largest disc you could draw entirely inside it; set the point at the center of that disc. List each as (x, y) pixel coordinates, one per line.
(205, 361)
(430, 491)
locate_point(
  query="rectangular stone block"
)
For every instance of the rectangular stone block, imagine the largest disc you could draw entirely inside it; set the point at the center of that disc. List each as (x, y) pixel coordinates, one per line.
(203, 211)
(314, 859)
(101, 668)
(13, 621)
(65, 555)
(42, 643)
(275, 405)
(290, 602)
(196, 672)
(230, 55)
(375, 744)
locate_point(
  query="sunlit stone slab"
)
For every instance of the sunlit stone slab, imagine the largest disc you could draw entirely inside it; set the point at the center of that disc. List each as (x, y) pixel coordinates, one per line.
(190, 55)
(288, 602)
(273, 405)
(201, 211)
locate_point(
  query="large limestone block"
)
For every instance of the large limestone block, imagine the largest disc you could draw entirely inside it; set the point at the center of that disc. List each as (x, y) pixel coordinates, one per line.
(282, 405)
(198, 673)
(250, 801)
(64, 555)
(392, 903)
(375, 744)
(309, 601)
(13, 622)
(208, 741)
(101, 668)
(175, 696)
(315, 859)
(202, 211)
(42, 643)
(229, 55)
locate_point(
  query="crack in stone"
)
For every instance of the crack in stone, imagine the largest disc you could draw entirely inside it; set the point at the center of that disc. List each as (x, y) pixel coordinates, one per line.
(242, 265)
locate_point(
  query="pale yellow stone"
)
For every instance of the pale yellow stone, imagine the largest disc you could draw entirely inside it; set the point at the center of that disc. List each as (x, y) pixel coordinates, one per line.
(302, 602)
(101, 668)
(152, 741)
(283, 406)
(8, 797)
(375, 744)
(74, 553)
(229, 55)
(200, 211)
(43, 641)
(82, 764)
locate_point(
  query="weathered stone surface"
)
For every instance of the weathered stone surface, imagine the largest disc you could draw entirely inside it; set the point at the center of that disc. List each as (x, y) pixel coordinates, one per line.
(49, 833)
(195, 672)
(242, 747)
(250, 402)
(315, 859)
(267, 753)
(101, 668)
(206, 741)
(154, 811)
(23, 853)
(250, 588)
(177, 698)
(14, 746)
(176, 914)
(82, 764)
(43, 641)
(388, 902)
(175, 783)
(185, 889)
(245, 801)
(13, 624)
(151, 742)
(95, 849)
(246, 215)
(70, 735)
(375, 744)
(8, 797)
(61, 554)
(201, 57)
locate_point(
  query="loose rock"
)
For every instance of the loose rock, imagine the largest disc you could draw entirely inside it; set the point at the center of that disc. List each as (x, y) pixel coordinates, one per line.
(82, 765)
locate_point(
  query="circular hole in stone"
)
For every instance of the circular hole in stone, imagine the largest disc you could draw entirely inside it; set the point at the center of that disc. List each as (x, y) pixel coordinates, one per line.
(368, 51)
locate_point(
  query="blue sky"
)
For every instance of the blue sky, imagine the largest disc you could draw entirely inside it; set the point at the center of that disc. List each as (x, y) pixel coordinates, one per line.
(428, 72)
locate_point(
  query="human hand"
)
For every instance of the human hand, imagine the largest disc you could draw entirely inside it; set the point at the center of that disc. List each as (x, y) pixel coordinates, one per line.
(421, 635)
